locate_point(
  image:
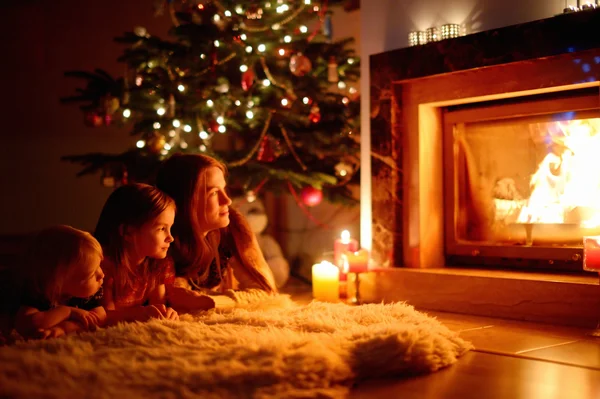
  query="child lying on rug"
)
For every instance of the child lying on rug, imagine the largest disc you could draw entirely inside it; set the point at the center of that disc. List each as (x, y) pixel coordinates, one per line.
(135, 232)
(62, 282)
(209, 252)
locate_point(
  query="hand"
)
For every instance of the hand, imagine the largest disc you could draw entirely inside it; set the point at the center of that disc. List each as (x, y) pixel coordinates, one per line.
(52, 332)
(166, 312)
(152, 312)
(89, 320)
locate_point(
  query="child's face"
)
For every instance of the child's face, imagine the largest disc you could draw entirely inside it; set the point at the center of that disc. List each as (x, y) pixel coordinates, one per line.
(216, 214)
(153, 238)
(86, 281)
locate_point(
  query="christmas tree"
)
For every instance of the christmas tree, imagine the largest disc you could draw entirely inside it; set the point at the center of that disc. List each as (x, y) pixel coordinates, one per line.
(259, 85)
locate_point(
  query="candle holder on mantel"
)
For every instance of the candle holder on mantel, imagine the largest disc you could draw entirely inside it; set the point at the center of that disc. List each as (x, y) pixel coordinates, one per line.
(355, 263)
(591, 263)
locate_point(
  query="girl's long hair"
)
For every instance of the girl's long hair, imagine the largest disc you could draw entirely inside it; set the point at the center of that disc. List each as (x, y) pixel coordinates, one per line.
(131, 205)
(52, 255)
(183, 177)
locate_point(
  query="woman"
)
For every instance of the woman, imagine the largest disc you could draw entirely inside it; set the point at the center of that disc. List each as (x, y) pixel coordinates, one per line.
(214, 248)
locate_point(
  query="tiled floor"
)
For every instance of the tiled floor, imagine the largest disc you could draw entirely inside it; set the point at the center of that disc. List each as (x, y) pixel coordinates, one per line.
(511, 360)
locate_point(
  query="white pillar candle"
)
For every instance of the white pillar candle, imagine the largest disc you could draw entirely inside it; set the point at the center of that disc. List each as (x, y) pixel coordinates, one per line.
(325, 282)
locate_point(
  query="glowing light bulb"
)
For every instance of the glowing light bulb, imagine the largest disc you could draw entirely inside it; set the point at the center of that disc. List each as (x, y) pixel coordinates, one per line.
(287, 38)
(249, 114)
(176, 123)
(243, 36)
(306, 1)
(140, 144)
(262, 47)
(217, 44)
(210, 103)
(306, 100)
(187, 128)
(239, 9)
(222, 129)
(220, 120)
(217, 18)
(172, 133)
(243, 68)
(156, 125)
(266, 83)
(345, 100)
(303, 29)
(281, 52)
(341, 85)
(227, 13)
(203, 56)
(350, 61)
(164, 152)
(202, 148)
(248, 49)
(284, 102)
(181, 88)
(183, 145)
(238, 103)
(161, 111)
(167, 146)
(203, 135)
(275, 26)
(126, 113)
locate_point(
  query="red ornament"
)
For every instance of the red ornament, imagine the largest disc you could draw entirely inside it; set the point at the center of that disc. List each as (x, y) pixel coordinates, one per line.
(300, 65)
(266, 152)
(213, 126)
(315, 114)
(247, 79)
(311, 196)
(93, 119)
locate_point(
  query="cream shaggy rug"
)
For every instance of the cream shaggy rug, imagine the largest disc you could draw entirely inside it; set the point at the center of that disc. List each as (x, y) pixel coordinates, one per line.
(264, 349)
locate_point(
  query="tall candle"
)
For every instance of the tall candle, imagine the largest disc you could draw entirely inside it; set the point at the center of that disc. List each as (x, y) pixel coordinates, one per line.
(356, 262)
(325, 282)
(591, 253)
(343, 244)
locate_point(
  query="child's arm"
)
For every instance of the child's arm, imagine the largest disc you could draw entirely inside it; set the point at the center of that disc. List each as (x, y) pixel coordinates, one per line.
(30, 320)
(67, 327)
(134, 313)
(158, 298)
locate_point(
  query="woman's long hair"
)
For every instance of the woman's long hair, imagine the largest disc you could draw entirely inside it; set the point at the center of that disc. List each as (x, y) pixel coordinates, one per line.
(53, 254)
(183, 177)
(130, 205)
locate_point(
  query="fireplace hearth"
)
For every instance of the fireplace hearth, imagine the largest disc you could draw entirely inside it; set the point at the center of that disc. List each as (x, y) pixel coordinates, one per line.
(464, 129)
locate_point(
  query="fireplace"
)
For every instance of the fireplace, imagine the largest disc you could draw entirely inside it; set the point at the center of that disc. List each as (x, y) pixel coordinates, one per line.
(480, 146)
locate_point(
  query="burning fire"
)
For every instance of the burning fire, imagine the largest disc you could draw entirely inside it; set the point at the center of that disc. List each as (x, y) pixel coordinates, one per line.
(566, 186)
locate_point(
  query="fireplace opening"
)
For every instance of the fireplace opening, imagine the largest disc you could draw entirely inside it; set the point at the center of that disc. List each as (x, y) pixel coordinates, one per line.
(522, 180)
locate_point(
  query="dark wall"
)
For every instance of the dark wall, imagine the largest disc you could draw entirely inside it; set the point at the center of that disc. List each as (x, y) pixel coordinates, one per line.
(41, 40)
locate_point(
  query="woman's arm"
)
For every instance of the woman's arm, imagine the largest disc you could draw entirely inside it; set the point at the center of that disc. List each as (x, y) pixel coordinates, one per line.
(30, 320)
(181, 297)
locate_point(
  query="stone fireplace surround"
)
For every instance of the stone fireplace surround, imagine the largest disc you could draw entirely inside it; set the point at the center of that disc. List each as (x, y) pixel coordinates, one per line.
(409, 87)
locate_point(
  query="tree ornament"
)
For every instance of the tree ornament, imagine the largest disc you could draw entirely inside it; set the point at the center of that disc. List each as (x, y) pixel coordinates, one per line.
(332, 71)
(300, 65)
(222, 85)
(107, 119)
(251, 196)
(156, 143)
(254, 12)
(328, 26)
(266, 152)
(93, 119)
(110, 104)
(247, 79)
(315, 114)
(311, 196)
(171, 109)
(213, 126)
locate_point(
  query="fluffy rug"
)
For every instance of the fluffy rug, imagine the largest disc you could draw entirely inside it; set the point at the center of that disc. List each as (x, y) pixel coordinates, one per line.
(261, 349)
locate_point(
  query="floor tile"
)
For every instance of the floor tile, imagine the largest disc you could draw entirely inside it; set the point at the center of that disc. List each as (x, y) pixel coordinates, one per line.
(584, 353)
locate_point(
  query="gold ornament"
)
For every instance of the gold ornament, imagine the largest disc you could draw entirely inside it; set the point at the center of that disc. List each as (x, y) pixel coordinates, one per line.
(156, 143)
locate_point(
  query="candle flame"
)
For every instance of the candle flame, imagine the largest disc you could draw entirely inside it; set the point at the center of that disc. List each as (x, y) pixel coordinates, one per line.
(345, 236)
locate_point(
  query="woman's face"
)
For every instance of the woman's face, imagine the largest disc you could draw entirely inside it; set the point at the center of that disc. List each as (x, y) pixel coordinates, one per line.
(216, 213)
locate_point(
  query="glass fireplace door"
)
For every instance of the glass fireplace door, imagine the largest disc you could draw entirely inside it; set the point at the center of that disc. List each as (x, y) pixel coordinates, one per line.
(522, 180)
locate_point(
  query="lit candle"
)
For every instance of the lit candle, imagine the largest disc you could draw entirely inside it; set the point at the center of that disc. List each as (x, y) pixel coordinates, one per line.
(343, 244)
(591, 253)
(325, 282)
(356, 262)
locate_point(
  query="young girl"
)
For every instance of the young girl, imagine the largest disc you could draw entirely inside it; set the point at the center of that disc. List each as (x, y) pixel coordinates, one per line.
(62, 284)
(209, 252)
(135, 232)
